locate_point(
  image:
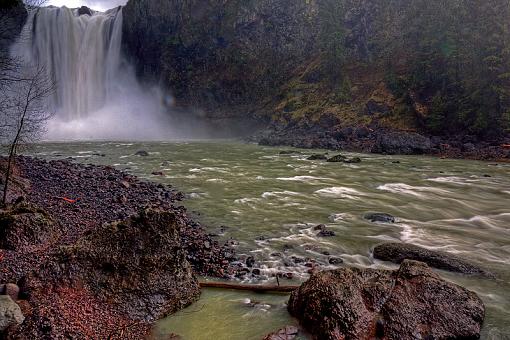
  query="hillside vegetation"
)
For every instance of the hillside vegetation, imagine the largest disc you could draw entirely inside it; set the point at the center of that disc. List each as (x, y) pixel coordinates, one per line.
(434, 66)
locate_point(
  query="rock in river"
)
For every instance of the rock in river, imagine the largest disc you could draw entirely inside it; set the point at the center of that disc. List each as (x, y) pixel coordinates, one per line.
(398, 252)
(379, 217)
(337, 159)
(318, 157)
(412, 302)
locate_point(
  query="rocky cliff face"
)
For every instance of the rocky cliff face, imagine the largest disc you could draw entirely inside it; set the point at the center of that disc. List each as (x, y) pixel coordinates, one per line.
(320, 66)
(215, 54)
(12, 16)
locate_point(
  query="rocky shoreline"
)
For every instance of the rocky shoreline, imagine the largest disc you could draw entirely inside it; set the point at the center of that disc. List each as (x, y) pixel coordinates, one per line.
(89, 247)
(383, 141)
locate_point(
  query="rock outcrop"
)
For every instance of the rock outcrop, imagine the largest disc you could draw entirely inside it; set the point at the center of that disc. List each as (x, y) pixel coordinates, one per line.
(24, 225)
(12, 16)
(412, 302)
(215, 54)
(138, 264)
(398, 252)
(405, 143)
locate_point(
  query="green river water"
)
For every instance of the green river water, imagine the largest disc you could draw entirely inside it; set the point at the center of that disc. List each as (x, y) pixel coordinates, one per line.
(269, 203)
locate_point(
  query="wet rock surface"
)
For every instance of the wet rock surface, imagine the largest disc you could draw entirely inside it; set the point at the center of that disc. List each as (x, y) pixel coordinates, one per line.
(379, 217)
(412, 302)
(373, 139)
(398, 252)
(286, 333)
(96, 277)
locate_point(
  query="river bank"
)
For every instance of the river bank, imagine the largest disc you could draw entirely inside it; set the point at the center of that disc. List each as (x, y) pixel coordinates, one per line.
(383, 141)
(79, 277)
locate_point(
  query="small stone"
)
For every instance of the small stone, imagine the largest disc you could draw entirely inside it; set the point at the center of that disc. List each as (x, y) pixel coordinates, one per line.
(12, 290)
(287, 275)
(250, 261)
(317, 157)
(125, 184)
(320, 227)
(335, 260)
(255, 271)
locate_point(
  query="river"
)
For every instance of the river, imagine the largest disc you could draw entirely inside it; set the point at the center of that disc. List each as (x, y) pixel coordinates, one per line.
(268, 204)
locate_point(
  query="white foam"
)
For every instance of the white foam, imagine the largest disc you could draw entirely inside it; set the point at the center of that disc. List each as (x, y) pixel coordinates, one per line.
(301, 178)
(339, 192)
(416, 191)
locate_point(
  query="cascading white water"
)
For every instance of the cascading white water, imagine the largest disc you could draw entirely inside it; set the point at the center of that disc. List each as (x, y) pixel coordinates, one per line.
(97, 94)
(81, 53)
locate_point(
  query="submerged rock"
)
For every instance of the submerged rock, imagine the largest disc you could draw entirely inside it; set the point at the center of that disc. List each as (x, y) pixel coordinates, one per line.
(318, 157)
(335, 260)
(142, 153)
(286, 333)
(326, 233)
(398, 252)
(337, 159)
(10, 313)
(354, 160)
(379, 217)
(412, 302)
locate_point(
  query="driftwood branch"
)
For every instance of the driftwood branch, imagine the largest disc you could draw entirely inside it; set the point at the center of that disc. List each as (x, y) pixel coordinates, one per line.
(253, 288)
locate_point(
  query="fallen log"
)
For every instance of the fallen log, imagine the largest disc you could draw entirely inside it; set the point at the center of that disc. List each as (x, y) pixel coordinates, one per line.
(253, 288)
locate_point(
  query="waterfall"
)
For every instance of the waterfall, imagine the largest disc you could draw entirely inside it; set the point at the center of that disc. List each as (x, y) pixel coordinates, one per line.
(97, 95)
(81, 53)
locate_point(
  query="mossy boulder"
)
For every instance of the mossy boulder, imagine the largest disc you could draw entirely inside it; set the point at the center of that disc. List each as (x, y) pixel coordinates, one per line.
(138, 264)
(25, 225)
(412, 302)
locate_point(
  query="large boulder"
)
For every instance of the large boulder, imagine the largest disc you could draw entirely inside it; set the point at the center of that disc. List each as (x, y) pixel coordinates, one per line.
(139, 265)
(24, 225)
(412, 302)
(398, 252)
(10, 313)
